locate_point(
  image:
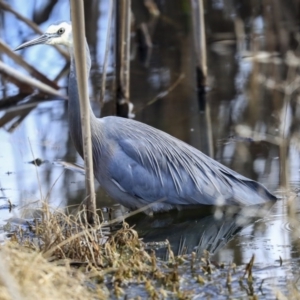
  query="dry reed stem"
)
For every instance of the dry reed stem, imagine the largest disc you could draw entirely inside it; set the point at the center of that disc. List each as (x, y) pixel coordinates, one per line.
(78, 29)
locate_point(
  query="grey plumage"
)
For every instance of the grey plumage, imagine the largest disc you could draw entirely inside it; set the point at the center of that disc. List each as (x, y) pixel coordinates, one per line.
(138, 165)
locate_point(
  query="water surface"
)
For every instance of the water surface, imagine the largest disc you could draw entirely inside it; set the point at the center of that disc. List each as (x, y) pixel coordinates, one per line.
(250, 125)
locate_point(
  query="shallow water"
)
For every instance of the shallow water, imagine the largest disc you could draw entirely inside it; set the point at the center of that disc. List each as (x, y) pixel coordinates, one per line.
(252, 103)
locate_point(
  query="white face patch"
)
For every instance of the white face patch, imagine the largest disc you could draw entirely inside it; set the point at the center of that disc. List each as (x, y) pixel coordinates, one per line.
(63, 39)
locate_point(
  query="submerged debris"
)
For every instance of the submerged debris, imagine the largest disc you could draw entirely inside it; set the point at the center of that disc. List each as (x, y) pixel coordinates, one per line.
(38, 162)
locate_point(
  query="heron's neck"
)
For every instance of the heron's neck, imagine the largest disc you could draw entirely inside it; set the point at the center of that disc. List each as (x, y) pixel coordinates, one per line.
(74, 106)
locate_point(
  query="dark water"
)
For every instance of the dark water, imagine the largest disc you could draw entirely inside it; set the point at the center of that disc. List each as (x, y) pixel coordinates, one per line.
(251, 123)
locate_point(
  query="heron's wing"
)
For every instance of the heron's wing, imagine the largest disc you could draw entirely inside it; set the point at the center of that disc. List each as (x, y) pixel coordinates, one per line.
(151, 165)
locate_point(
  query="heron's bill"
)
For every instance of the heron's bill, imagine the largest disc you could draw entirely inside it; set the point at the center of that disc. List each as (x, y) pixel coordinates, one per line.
(39, 40)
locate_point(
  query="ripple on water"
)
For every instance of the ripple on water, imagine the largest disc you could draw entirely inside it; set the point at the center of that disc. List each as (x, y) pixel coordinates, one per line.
(287, 226)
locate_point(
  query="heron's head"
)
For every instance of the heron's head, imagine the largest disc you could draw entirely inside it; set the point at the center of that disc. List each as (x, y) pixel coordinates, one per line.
(60, 34)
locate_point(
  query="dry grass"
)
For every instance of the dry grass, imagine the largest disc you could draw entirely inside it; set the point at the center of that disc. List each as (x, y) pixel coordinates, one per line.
(58, 257)
(26, 274)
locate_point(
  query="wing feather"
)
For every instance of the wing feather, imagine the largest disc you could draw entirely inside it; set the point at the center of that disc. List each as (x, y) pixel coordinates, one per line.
(154, 165)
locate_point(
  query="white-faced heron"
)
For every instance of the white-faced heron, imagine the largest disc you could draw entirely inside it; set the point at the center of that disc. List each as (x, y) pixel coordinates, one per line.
(138, 165)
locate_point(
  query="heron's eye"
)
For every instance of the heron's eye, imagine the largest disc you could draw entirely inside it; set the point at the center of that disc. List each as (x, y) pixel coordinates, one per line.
(60, 31)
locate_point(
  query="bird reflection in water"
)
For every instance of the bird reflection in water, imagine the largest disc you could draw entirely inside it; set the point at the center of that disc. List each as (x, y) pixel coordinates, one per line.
(189, 231)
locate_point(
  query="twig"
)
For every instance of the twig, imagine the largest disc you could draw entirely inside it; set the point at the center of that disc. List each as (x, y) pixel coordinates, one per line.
(108, 34)
(123, 22)
(164, 93)
(200, 49)
(18, 76)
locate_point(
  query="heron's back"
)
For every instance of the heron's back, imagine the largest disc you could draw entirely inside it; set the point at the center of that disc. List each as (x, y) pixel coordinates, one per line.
(139, 164)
